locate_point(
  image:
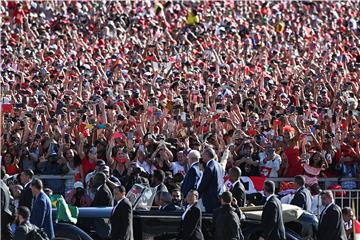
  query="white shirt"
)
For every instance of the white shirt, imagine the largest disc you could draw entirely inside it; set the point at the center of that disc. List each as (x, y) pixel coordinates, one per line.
(267, 199)
(208, 162)
(118, 203)
(273, 164)
(177, 168)
(146, 166)
(187, 209)
(316, 206)
(234, 184)
(99, 187)
(324, 211)
(26, 184)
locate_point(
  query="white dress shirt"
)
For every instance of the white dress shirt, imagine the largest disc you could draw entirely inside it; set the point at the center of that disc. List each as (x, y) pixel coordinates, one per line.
(267, 199)
(187, 209)
(324, 211)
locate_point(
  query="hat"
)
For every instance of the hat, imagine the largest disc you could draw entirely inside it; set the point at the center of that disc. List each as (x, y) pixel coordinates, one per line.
(78, 184)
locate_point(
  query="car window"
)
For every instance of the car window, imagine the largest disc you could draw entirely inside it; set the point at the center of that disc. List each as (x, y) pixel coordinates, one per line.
(134, 193)
(141, 197)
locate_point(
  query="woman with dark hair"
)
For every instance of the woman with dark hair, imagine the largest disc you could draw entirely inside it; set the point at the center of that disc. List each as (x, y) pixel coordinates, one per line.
(11, 164)
(249, 160)
(72, 167)
(313, 167)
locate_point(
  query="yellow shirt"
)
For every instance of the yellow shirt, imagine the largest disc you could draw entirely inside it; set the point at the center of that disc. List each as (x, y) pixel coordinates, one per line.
(192, 19)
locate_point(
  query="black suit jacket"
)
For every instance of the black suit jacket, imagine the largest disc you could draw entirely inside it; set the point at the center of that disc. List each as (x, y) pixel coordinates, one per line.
(26, 198)
(191, 179)
(272, 224)
(169, 208)
(211, 185)
(190, 226)
(331, 225)
(122, 221)
(23, 229)
(302, 198)
(103, 197)
(238, 192)
(227, 224)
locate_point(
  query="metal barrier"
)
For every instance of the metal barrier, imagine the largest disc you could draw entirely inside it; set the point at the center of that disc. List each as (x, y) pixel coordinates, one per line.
(348, 198)
(58, 177)
(323, 182)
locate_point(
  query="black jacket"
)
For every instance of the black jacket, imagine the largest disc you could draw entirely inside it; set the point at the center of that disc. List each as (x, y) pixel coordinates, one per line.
(190, 226)
(26, 198)
(331, 224)
(122, 221)
(211, 185)
(23, 229)
(272, 224)
(169, 208)
(6, 213)
(302, 198)
(103, 197)
(238, 192)
(227, 224)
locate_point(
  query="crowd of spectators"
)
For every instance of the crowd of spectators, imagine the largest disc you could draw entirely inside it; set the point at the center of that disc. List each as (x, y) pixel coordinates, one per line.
(138, 89)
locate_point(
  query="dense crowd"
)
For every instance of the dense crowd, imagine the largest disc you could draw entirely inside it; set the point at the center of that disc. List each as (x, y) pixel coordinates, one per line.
(141, 90)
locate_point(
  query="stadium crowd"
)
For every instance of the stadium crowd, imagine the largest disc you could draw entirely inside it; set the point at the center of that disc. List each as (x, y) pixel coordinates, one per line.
(145, 91)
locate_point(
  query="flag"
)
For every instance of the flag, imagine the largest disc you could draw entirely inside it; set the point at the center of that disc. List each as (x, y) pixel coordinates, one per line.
(258, 182)
(356, 227)
(64, 212)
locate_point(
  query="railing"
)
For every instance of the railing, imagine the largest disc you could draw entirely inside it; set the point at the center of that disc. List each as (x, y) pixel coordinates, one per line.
(323, 182)
(348, 198)
(58, 177)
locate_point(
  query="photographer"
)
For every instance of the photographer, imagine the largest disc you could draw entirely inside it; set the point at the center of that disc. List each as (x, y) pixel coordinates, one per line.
(78, 196)
(269, 162)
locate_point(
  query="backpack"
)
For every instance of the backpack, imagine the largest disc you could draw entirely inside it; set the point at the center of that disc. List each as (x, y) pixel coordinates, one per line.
(37, 234)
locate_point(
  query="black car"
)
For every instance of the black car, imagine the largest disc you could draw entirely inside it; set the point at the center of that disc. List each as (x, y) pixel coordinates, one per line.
(149, 223)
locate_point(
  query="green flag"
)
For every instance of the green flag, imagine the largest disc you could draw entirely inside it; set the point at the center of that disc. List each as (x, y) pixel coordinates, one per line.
(64, 212)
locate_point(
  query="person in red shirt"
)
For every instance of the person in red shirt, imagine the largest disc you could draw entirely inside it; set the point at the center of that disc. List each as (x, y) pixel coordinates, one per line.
(88, 161)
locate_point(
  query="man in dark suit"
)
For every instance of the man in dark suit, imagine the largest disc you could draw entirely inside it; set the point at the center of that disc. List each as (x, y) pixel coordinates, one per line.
(226, 221)
(121, 219)
(165, 202)
(331, 223)
(41, 214)
(193, 175)
(103, 196)
(190, 226)
(158, 179)
(212, 181)
(6, 214)
(302, 197)
(272, 224)
(26, 198)
(237, 189)
(23, 225)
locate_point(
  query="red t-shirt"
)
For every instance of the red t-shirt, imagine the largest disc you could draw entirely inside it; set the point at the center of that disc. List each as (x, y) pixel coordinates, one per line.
(87, 165)
(12, 169)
